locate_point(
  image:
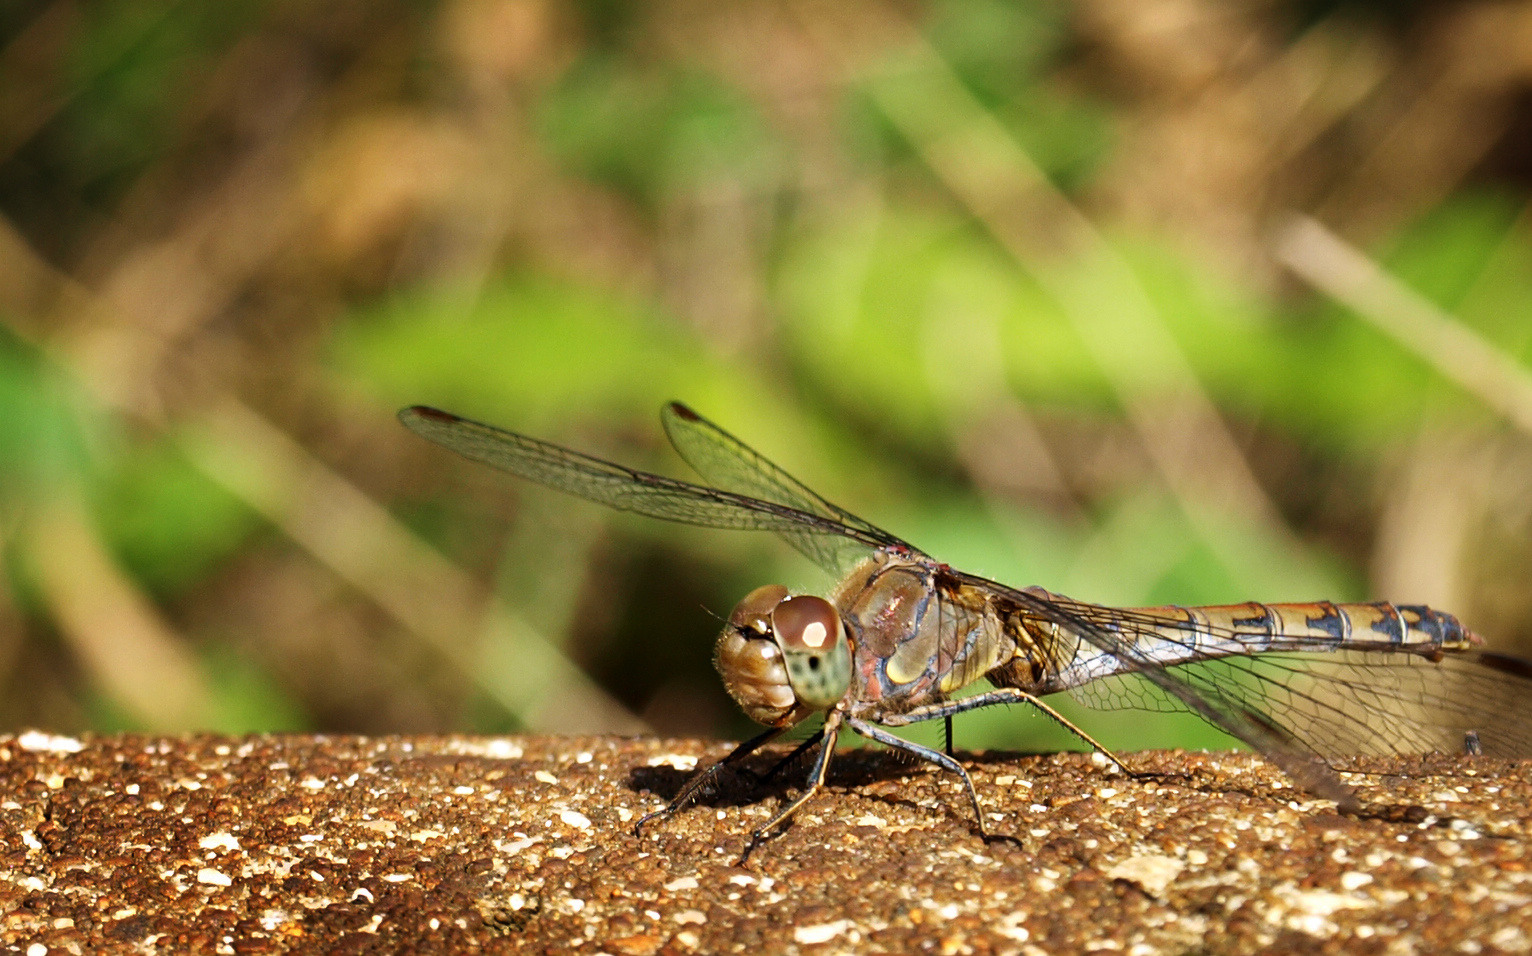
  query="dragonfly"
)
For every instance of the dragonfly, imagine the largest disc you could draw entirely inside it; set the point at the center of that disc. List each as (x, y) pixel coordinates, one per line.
(900, 634)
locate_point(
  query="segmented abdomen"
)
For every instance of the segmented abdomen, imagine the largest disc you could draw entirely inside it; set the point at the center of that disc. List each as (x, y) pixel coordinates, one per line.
(1167, 636)
(1259, 627)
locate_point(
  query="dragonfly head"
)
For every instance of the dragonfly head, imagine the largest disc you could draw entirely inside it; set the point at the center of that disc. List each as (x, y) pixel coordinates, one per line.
(783, 658)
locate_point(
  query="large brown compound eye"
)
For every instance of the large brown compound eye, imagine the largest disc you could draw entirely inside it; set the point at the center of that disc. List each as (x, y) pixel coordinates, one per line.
(806, 623)
(753, 613)
(751, 663)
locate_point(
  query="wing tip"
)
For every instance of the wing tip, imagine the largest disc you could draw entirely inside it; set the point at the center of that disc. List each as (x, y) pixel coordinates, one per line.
(426, 412)
(683, 412)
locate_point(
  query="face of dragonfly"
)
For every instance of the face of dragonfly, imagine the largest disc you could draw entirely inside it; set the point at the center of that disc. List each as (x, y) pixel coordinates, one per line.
(782, 657)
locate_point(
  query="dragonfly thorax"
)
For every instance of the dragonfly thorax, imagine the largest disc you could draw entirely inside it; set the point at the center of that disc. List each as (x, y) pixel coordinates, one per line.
(782, 657)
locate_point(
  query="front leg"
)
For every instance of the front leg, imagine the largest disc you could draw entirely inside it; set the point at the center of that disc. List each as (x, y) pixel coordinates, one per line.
(830, 732)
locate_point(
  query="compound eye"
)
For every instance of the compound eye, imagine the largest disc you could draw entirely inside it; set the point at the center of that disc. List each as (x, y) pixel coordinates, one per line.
(815, 650)
(806, 624)
(753, 613)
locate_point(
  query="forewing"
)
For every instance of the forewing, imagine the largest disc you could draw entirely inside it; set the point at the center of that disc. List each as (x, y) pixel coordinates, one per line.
(614, 485)
(728, 463)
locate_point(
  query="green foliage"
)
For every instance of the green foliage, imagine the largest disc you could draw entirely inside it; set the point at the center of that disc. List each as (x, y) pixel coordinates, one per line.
(1002, 53)
(528, 348)
(885, 311)
(1445, 254)
(168, 523)
(245, 699)
(46, 433)
(135, 68)
(651, 130)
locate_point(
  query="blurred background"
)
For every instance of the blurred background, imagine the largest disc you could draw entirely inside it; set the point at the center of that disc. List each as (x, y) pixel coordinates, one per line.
(1165, 301)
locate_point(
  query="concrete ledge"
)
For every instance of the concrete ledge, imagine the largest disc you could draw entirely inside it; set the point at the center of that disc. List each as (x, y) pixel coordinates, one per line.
(448, 844)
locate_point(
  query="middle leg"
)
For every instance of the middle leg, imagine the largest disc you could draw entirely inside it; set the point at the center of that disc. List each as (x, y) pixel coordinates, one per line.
(1002, 695)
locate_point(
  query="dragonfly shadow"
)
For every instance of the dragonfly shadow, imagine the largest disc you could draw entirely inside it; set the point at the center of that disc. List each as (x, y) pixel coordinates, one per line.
(762, 774)
(780, 772)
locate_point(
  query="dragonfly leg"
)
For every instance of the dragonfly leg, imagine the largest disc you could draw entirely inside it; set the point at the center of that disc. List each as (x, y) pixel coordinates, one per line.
(874, 732)
(1070, 726)
(1003, 695)
(702, 777)
(947, 725)
(830, 732)
(797, 752)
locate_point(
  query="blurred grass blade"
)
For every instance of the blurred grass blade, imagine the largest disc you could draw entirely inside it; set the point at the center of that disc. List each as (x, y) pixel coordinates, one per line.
(131, 653)
(1340, 270)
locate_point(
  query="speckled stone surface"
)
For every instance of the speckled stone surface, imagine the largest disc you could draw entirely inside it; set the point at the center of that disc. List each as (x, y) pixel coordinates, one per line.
(345, 844)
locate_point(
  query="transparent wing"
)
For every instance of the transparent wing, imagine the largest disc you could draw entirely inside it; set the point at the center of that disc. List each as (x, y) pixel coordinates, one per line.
(1373, 701)
(728, 463)
(616, 486)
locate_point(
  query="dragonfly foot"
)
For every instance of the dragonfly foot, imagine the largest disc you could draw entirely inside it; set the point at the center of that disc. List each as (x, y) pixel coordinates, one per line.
(1110, 762)
(1147, 776)
(773, 827)
(638, 828)
(992, 838)
(756, 839)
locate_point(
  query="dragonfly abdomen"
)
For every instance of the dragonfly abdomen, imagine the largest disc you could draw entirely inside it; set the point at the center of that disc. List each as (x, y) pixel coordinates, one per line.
(1171, 635)
(1256, 627)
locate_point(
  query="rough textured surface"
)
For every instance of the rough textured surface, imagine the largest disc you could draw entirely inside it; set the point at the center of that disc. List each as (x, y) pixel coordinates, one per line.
(339, 844)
